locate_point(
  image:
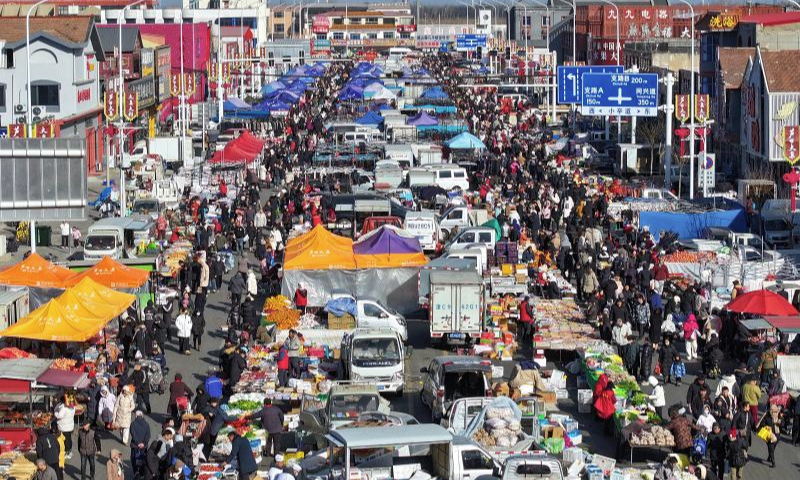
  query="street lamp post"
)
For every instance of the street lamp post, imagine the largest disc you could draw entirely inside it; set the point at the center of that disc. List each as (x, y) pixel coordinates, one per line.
(691, 108)
(29, 114)
(121, 100)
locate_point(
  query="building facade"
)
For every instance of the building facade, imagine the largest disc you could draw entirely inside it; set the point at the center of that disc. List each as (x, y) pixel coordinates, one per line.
(365, 29)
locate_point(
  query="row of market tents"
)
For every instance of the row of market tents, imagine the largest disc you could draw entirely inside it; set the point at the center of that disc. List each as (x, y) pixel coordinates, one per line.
(277, 96)
(88, 302)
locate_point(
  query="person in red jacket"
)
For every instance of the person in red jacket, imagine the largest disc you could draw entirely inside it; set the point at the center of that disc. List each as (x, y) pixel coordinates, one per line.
(283, 365)
(526, 320)
(301, 298)
(605, 405)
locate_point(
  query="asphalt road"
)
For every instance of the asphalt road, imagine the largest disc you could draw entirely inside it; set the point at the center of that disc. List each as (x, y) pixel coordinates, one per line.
(195, 366)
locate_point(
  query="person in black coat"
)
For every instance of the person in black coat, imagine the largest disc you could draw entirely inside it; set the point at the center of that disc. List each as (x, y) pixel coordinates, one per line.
(152, 465)
(743, 424)
(140, 439)
(198, 328)
(665, 358)
(200, 404)
(716, 450)
(138, 379)
(47, 448)
(238, 366)
(645, 358)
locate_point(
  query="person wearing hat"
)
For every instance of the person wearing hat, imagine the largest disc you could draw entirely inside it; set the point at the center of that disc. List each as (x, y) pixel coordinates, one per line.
(277, 468)
(242, 454)
(657, 397)
(736, 454)
(123, 412)
(114, 467)
(140, 439)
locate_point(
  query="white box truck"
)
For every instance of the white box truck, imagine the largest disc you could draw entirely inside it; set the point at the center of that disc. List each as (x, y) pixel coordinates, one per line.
(456, 306)
(14, 306)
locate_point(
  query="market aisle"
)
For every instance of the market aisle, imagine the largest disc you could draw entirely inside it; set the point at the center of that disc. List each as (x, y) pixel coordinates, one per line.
(193, 368)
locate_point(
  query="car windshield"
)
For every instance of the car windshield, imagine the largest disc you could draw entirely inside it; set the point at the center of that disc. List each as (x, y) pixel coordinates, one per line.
(350, 406)
(100, 242)
(376, 352)
(145, 207)
(771, 225)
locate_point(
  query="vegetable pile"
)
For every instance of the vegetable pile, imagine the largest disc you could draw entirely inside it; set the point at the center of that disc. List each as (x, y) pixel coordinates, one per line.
(500, 429)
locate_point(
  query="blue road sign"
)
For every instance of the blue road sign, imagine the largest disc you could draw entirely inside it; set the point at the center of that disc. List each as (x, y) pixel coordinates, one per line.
(470, 41)
(570, 80)
(624, 94)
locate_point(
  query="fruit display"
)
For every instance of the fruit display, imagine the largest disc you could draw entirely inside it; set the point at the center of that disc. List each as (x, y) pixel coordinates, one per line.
(277, 302)
(562, 325)
(688, 256)
(172, 258)
(63, 364)
(285, 318)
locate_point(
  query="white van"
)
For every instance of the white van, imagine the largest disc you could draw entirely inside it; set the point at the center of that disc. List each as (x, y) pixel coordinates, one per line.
(423, 226)
(479, 249)
(375, 356)
(470, 254)
(450, 177)
(482, 235)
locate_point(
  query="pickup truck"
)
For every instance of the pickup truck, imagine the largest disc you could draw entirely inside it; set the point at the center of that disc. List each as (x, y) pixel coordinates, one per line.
(461, 216)
(378, 453)
(346, 401)
(525, 467)
(370, 313)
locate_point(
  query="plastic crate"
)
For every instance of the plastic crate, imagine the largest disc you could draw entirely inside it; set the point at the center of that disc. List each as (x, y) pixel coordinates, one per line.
(571, 455)
(606, 464)
(584, 408)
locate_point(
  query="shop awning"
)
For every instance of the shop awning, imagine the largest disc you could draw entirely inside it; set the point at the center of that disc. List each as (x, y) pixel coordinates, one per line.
(27, 369)
(112, 274)
(35, 271)
(785, 324)
(756, 324)
(64, 378)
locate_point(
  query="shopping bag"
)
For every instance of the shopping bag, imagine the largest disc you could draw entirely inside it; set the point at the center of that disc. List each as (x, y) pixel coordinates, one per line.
(765, 434)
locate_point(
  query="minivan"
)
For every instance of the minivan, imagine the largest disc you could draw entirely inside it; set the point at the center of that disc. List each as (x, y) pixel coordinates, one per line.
(450, 177)
(483, 235)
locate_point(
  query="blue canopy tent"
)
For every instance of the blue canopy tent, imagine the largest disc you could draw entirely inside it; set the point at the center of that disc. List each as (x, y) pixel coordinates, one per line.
(288, 96)
(351, 93)
(234, 103)
(273, 105)
(381, 106)
(434, 93)
(422, 119)
(277, 85)
(437, 109)
(465, 141)
(370, 118)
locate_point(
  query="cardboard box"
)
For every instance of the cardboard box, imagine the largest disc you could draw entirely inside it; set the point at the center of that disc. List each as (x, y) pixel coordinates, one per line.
(548, 397)
(345, 322)
(550, 431)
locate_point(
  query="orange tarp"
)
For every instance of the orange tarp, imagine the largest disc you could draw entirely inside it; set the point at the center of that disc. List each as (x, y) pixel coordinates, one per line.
(35, 271)
(319, 250)
(391, 260)
(112, 274)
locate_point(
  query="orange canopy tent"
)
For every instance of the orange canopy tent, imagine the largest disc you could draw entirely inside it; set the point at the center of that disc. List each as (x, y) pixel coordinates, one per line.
(75, 316)
(35, 271)
(112, 274)
(319, 250)
(318, 232)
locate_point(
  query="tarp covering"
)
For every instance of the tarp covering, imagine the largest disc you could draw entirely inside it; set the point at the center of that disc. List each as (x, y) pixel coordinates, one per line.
(245, 147)
(272, 87)
(789, 324)
(341, 306)
(370, 118)
(434, 93)
(319, 251)
(112, 274)
(493, 223)
(234, 103)
(466, 141)
(398, 286)
(75, 316)
(317, 232)
(691, 225)
(384, 94)
(35, 271)
(422, 119)
(388, 249)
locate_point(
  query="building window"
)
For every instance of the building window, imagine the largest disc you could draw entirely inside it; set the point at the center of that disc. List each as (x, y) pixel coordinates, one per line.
(372, 36)
(149, 20)
(545, 20)
(355, 36)
(279, 28)
(405, 35)
(9, 59)
(337, 36)
(2, 97)
(388, 34)
(46, 95)
(278, 14)
(372, 21)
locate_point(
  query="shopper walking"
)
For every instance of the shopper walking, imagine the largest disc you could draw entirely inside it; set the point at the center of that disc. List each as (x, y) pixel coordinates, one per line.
(123, 413)
(184, 326)
(65, 416)
(88, 447)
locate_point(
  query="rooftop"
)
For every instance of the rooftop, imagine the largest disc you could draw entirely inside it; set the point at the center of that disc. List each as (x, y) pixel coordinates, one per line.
(780, 70)
(72, 28)
(109, 38)
(732, 62)
(772, 19)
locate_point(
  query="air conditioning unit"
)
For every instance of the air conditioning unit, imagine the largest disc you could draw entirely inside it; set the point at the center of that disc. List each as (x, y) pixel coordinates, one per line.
(36, 119)
(39, 110)
(20, 119)
(19, 108)
(486, 17)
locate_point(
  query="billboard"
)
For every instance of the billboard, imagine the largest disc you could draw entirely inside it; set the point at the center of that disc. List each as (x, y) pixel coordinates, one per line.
(42, 179)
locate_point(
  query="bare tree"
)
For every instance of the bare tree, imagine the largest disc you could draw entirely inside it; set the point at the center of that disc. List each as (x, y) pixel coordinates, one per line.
(652, 129)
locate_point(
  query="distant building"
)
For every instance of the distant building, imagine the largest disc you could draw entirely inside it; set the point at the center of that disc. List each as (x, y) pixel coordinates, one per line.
(371, 29)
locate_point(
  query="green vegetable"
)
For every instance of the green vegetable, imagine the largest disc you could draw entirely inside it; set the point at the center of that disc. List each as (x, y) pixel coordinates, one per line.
(245, 405)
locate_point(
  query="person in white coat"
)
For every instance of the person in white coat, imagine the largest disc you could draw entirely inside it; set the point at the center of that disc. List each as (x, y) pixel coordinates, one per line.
(657, 397)
(184, 326)
(65, 417)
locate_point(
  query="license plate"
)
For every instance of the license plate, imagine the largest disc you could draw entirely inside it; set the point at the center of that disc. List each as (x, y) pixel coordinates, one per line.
(456, 335)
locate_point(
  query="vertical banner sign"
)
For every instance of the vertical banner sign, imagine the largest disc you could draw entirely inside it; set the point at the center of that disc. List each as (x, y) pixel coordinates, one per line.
(131, 105)
(263, 53)
(226, 71)
(16, 130)
(682, 108)
(175, 84)
(791, 144)
(701, 107)
(237, 60)
(188, 83)
(212, 70)
(111, 106)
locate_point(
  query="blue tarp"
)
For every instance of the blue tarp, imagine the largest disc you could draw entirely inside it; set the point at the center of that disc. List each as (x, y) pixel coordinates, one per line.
(341, 306)
(272, 87)
(273, 104)
(233, 104)
(466, 141)
(370, 118)
(437, 109)
(692, 225)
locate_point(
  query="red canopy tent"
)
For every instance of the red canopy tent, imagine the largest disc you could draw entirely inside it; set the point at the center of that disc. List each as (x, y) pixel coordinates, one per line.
(245, 147)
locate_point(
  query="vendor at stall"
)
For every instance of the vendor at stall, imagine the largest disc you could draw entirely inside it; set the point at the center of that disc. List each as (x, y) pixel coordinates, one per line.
(242, 455)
